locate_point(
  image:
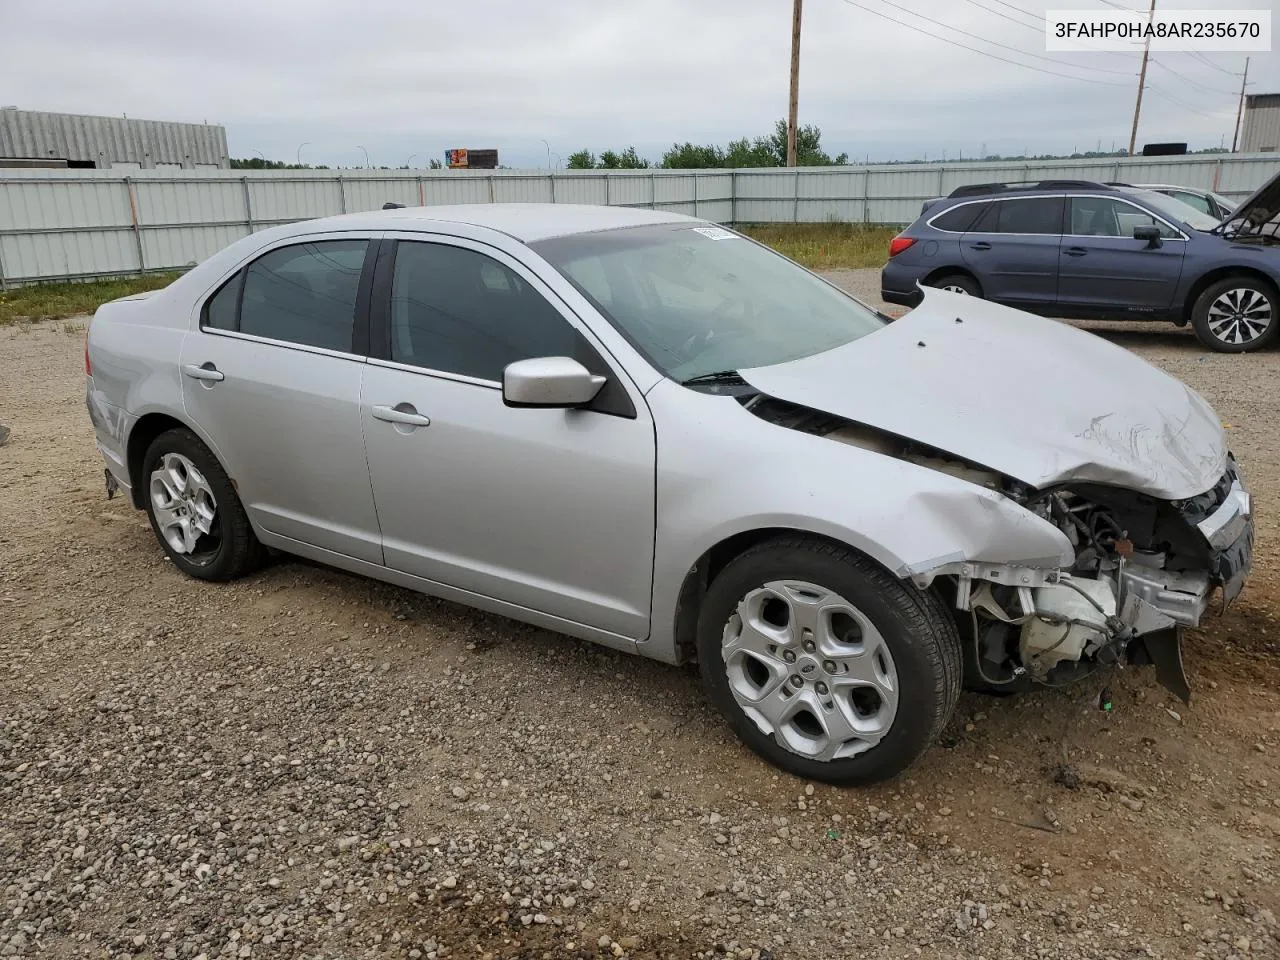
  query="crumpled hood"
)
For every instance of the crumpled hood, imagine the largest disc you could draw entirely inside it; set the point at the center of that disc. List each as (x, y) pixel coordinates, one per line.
(1034, 399)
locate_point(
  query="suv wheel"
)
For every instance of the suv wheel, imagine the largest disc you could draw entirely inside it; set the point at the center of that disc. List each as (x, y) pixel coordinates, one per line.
(1236, 315)
(958, 283)
(826, 665)
(194, 510)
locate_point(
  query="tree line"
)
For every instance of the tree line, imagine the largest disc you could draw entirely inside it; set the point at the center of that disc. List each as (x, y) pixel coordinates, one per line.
(770, 151)
(767, 151)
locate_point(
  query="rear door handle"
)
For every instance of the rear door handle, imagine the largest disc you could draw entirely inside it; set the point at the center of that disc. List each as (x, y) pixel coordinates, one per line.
(1075, 251)
(409, 416)
(981, 245)
(206, 371)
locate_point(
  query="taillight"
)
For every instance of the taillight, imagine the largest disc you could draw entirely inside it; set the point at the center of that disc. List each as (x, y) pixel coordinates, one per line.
(898, 244)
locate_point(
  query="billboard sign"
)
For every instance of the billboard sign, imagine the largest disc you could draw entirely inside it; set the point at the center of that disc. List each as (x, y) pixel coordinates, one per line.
(464, 159)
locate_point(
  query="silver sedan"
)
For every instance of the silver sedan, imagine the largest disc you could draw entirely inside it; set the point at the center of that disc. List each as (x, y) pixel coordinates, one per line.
(648, 431)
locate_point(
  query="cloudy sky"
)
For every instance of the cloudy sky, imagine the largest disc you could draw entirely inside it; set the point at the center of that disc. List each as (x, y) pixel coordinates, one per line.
(414, 77)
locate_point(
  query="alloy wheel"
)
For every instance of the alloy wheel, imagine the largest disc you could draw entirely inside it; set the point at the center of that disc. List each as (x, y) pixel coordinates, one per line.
(1240, 315)
(811, 670)
(184, 507)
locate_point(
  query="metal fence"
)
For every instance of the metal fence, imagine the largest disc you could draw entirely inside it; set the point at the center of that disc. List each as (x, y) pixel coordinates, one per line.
(76, 224)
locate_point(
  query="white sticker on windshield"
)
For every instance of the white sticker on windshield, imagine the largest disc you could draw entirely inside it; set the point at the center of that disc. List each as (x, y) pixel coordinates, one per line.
(716, 233)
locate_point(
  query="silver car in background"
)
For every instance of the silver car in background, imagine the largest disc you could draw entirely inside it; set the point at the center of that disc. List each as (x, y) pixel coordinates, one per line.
(648, 431)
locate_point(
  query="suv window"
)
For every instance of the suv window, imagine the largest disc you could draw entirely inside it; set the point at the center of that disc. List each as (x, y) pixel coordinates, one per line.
(459, 311)
(961, 218)
(305, 293)
(1025, 215)
(1106, 217)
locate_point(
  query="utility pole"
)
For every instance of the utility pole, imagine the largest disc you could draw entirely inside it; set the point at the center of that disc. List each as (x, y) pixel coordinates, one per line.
(1142, 82)
(795, 83)
(1240, 109)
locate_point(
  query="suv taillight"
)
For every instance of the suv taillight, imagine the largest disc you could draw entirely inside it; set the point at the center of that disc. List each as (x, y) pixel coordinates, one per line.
(898, 244)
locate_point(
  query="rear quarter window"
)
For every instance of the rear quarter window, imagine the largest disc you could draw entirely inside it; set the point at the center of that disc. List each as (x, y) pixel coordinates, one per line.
(959, 219)
(221, 311)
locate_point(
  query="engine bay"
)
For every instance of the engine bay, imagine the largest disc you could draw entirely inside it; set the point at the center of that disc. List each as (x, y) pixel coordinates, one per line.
(1143, 571)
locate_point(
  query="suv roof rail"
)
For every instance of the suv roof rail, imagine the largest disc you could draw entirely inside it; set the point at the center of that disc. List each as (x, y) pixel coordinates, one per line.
(980, 189)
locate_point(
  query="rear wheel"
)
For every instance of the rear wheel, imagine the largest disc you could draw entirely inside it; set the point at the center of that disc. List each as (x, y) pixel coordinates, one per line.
(194, 510)
(958, 283)
(826, 665)
(1236, 315)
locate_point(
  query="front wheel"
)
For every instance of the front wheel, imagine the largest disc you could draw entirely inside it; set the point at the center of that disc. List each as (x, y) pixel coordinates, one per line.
(194, 509)
(1236, 315)
(825, 664)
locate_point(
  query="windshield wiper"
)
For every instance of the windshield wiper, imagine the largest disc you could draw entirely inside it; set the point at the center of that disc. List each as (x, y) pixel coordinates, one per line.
(719, 376)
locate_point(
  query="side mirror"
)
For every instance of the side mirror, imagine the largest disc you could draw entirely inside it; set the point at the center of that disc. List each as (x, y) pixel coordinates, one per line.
(1149, 234)
(549, 382)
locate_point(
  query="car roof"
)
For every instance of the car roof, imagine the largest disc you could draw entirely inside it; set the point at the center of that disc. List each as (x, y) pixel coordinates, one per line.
(1022, 188)
(527, 222)
(1167, 186)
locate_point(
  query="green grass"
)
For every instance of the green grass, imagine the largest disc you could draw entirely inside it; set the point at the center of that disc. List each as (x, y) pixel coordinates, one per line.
(55, 301)
(826, 246)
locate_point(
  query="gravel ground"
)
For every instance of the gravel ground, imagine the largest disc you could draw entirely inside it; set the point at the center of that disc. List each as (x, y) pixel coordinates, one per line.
(306, 763)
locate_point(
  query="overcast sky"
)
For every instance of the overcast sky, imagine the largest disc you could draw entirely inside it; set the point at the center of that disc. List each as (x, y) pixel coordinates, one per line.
(403, 77)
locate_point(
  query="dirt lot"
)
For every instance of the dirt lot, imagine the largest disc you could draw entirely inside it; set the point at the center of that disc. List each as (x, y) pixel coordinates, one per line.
(308, 763)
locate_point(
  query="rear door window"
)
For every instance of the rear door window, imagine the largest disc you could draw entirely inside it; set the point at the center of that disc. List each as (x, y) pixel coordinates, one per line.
(305, 293)
(1029, 215)
(959, 219)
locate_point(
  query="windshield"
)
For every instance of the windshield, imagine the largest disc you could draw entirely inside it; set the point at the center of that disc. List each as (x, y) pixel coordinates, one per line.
(1226, 203)
(1176, 209)
(697, 299)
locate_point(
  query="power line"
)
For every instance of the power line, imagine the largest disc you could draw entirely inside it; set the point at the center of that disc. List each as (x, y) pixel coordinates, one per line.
(1186, 79)
(1186, 106)
(1205, 60)
(1020, 23)
(1038, 28)
(1028, 13)
(984, 53)
(1119, 7)
(996, 43)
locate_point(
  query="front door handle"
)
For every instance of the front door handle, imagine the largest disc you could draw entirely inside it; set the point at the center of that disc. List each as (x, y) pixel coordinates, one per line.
(206, 371)
(401, 413)
(1075, 251)
(981, 245)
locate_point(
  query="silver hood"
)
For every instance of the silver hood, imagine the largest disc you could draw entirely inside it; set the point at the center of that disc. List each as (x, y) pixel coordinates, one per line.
(1034, 399)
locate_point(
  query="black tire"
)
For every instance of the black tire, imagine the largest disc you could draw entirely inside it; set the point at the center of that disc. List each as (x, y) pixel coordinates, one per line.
(920, 634)
(1238, 289)
(230, 549)
(962, 282)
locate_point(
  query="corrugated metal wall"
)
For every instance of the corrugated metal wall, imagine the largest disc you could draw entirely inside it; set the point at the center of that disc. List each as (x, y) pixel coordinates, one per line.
(64, 224)
(110, 142)
(1261, 123)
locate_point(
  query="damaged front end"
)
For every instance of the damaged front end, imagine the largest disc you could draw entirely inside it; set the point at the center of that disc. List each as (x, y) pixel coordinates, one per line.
(1145, 569)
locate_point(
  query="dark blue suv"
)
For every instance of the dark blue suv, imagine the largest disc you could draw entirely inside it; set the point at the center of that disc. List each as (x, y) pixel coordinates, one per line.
(1071, 248)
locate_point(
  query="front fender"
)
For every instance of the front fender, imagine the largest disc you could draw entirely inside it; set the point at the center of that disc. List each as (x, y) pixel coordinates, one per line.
(727, 472)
